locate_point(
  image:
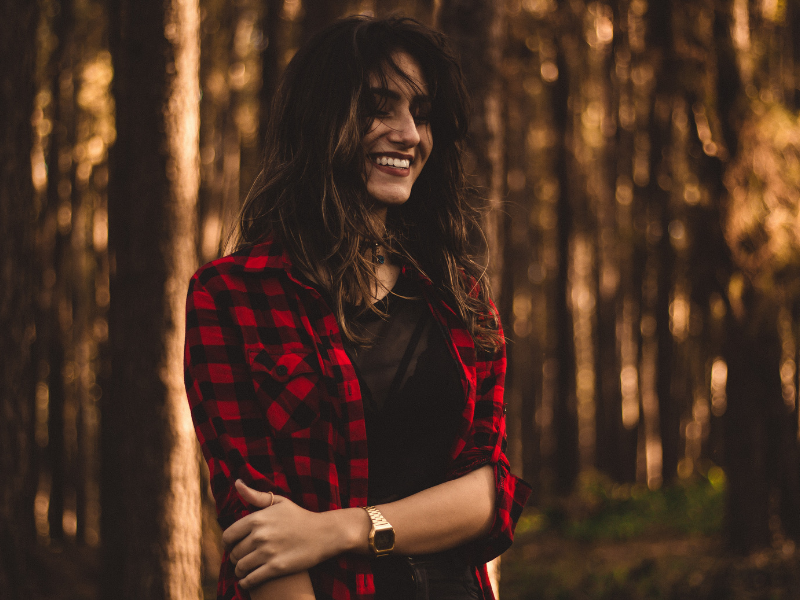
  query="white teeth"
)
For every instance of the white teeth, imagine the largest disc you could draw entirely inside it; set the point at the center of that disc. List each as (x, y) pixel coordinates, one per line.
(398, 163)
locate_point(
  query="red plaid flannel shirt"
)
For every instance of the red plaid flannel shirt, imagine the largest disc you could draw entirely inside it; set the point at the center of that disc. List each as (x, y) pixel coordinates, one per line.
(276, 402)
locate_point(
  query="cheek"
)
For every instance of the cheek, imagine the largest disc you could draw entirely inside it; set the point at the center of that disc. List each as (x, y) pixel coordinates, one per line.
(427, 138)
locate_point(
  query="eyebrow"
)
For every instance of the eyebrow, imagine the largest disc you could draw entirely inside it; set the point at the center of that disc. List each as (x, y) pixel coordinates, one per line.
(392, 95)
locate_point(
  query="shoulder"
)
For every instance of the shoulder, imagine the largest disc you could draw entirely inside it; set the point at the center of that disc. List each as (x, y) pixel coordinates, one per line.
(243, 269)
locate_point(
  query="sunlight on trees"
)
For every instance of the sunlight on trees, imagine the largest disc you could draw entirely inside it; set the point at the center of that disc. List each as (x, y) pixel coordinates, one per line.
(640, 162)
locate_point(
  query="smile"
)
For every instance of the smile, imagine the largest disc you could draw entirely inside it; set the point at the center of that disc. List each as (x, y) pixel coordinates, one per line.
(389, 161)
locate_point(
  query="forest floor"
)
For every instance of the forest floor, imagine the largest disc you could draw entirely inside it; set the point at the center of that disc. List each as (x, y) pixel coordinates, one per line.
(627, 543)
(605, 542)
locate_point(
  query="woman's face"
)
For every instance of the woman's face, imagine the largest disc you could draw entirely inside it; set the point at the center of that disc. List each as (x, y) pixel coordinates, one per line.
(399, 140)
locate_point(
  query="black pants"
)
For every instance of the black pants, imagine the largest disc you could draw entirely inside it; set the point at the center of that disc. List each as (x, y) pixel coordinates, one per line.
(439, 576)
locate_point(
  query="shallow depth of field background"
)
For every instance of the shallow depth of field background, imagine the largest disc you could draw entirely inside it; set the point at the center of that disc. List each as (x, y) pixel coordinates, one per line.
(639, 162)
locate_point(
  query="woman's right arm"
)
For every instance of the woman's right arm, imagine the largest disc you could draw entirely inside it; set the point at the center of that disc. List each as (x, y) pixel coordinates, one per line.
(229, 426)
(290, 587)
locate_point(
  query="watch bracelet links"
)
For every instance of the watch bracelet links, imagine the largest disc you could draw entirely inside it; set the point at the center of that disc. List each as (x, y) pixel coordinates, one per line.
(375, 516)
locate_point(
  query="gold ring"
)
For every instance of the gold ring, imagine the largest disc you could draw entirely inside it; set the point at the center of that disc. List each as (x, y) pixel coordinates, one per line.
(271, 499)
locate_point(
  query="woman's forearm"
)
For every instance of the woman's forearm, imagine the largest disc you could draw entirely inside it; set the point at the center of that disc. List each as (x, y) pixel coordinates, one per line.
(289, 587)
(435, 519)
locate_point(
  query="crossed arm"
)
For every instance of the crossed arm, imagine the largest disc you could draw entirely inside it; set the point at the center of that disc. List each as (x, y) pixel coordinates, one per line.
(273, 548)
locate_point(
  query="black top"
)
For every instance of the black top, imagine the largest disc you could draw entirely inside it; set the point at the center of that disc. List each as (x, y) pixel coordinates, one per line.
(412, 393)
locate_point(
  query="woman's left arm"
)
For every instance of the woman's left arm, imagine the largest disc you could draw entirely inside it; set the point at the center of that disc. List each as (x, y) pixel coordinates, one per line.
(285, 538)
(477, 508)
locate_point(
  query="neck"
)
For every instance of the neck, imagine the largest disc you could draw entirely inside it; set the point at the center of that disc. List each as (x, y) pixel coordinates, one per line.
(378, 212)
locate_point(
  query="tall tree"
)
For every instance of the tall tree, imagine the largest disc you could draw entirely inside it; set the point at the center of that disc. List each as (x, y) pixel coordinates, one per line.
(52, 326)
(565, 417)
(475, 27)
(17, 67)
(764, 139)
(150, 483)
(421, 10)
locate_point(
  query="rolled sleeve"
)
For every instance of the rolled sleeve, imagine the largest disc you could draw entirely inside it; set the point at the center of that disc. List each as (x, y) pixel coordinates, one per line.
(486, 444)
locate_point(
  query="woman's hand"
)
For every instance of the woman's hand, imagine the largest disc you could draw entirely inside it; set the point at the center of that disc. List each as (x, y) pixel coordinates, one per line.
(279, 539)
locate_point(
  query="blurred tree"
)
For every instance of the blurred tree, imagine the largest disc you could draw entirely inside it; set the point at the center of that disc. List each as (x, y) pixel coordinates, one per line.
(17, 285)
(565, 418)
(151, 493)
(54, 322)
(475, 27)
(316, 14)
(422, 10)
(760, 226)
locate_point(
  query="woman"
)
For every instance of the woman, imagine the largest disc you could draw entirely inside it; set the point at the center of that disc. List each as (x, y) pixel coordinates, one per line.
(348, 354)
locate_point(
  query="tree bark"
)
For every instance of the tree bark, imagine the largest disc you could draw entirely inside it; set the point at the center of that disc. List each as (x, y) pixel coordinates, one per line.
(422, 10)
(475, 27)
(55, 338)
(17, 70)
(151, 518)
(565, 417)
(317, 14)
(271, 58)
(752, 352)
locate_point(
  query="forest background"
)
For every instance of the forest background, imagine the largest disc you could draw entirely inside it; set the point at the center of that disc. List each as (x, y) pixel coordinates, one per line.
(640, 162)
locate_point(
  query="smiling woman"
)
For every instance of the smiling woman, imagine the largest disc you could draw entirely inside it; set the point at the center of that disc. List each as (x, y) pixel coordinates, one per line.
(399, 139)
(347, 356)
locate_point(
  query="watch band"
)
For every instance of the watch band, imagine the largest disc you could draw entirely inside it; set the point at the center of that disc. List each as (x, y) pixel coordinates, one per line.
(385, 532)
(376, 516)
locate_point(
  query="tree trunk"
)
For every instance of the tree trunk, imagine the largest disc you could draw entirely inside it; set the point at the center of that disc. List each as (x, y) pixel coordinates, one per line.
(752, 352)
(55, 336)
(271, 58)
(475, 28)
(317, 14)
(422, 10)
(565, 417)
(151, 518)
(17, 68)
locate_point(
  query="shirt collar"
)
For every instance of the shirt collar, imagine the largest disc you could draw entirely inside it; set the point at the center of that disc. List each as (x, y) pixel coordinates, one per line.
(269, 254)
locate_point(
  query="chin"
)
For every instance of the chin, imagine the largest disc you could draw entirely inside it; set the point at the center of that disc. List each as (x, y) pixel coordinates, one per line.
(390, 198)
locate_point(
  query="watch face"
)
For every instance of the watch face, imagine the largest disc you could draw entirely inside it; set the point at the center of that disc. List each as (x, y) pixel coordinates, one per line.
(384, 539)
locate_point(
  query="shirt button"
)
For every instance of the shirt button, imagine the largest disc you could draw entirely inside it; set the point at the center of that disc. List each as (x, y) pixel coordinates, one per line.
(281, 370)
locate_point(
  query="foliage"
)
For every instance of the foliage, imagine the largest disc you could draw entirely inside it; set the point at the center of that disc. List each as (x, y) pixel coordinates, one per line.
(762, 217)
(603, 510)
(620, 542)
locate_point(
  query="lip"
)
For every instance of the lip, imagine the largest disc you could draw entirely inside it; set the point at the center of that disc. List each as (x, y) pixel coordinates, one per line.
(393, 171)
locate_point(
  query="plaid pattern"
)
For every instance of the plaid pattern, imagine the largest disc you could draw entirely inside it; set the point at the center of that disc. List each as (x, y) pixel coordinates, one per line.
(276, 402)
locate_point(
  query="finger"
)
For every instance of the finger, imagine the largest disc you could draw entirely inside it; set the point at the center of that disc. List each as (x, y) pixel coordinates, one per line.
(258, 576)
(237, 531)
(253, 497)
(242, 549)
(249, 562)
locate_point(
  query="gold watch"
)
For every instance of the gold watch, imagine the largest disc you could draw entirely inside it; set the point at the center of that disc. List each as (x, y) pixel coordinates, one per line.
(381, 536)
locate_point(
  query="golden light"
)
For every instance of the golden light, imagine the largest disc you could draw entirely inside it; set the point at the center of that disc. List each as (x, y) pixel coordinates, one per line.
(679, 316)
(719, 380)
(100, 230)
(629, 386)
(549, 71)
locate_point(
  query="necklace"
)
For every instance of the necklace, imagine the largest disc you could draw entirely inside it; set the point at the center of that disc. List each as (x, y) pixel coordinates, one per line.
(379, 258)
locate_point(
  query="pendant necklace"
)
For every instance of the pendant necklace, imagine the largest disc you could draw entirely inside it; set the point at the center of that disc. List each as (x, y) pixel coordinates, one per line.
(379, 258)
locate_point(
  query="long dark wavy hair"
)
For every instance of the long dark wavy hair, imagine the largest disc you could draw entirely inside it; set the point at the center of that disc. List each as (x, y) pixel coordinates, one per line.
(311, 192)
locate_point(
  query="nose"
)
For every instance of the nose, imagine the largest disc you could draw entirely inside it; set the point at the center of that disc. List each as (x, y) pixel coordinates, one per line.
(404, 130)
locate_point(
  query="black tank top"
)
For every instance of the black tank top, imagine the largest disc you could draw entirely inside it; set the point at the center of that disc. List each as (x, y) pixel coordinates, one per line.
(413, 395)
